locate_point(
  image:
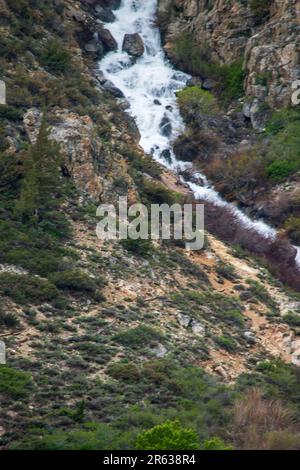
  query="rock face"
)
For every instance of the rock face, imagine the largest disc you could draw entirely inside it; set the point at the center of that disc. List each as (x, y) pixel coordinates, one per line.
(133, 45)
(269, 45)
(80, 148)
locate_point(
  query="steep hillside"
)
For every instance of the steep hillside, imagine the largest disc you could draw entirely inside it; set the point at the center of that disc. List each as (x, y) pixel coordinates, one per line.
(106, 339)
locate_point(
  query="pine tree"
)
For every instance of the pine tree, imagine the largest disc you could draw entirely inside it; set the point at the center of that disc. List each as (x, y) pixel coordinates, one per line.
(41, 185)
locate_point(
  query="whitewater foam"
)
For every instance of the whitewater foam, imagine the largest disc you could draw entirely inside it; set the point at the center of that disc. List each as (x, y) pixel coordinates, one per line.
(149, 84)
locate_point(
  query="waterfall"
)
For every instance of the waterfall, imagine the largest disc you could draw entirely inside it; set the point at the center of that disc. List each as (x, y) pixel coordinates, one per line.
(149, 84)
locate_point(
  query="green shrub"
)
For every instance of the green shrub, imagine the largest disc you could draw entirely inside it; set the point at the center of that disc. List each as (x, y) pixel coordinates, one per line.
(138, 337)
(14, 383)
(153, 192)
(168, 436)
(260, 8)
(216, 443)
(9, 112)
(226, 342)
(75, 281)
(25, 289)
(93, 436)
(284, 155)
(138, 247)
(196, 58)
(124, 371)
(227, 271)
(292, 319)
(233, 81)
(280, 119)
(8, 320)
(194, 99)
(55, 57)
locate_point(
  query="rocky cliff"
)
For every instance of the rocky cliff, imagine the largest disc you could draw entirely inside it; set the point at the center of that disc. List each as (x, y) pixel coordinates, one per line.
(264, 35)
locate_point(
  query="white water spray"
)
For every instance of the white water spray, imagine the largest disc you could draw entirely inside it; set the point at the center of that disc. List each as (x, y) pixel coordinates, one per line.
(149, 84)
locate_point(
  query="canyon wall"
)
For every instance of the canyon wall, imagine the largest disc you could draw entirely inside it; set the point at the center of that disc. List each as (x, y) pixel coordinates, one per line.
(265, 35)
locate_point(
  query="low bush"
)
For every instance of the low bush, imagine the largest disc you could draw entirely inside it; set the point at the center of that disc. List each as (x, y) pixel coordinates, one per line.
(92, 436)
(196, 101)
(76, 281)
(139, 247)
(283, 156)
(26, 289)
(226, 342)
(124, 371)
(153, 192)
(168, 436)
(292, 319)
(9, 112)
(141, 336)
(55, 57)
(14, 383)
(8, 320)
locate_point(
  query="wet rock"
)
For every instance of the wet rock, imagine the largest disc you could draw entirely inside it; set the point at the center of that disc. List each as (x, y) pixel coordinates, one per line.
(166, 126)
(94, 48)
(133, 44)
(166, 154)
(105, 14)
(111, 88)
(209, 84)
(108, 41)
(157, 102)
(195, 81)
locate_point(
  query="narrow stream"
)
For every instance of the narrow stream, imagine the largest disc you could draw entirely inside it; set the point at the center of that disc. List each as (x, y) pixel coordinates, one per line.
(149, 84)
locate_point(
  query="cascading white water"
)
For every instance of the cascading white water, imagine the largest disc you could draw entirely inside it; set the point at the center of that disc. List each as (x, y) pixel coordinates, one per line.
(149, 84)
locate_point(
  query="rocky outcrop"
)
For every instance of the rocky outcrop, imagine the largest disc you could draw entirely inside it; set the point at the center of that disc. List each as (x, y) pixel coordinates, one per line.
(86, 159)
(80, 148)
(133, 45)
(269, 46)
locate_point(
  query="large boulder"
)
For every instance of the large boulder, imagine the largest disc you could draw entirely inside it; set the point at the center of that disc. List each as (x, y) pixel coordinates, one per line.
(133, 44)
(105, 14)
